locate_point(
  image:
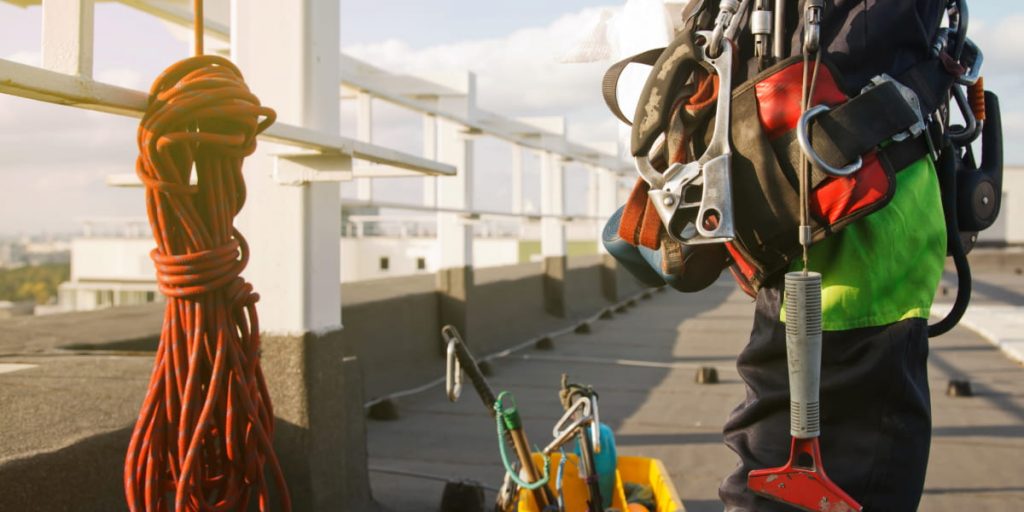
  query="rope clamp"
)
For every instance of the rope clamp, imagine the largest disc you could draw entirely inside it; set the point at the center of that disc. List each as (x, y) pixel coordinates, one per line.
(912, 101)
(673, 194)
(812, 24)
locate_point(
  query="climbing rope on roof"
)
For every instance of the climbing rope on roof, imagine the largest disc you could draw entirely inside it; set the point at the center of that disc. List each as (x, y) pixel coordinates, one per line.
(203, 439)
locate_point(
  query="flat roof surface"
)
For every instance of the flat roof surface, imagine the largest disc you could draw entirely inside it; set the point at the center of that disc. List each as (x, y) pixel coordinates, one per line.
(643, 362)
(65, 378)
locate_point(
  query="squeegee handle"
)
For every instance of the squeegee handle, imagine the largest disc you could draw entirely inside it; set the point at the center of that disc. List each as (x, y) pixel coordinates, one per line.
(803, 352)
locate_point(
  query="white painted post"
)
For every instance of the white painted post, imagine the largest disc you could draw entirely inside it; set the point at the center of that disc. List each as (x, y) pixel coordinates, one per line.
(294, 234)
(68, 36)
(552, 202)
(429, 151)
(517, 178)
(592, 204)
(607, 198)
(364, 132)
(455, 236)
(293, 231)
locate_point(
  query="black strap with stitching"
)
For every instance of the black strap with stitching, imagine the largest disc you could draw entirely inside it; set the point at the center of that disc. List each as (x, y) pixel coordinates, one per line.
(610, 83)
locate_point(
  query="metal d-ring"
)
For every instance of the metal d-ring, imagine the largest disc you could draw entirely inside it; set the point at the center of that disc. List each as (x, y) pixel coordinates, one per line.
(805, 145)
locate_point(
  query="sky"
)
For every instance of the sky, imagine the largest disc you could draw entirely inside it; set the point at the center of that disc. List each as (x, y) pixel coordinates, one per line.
(53, 160)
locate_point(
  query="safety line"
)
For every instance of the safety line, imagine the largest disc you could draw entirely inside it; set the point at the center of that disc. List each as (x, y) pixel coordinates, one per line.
(511, 350)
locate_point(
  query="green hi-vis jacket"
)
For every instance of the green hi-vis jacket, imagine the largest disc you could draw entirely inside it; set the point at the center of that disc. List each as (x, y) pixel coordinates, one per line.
(885, 267)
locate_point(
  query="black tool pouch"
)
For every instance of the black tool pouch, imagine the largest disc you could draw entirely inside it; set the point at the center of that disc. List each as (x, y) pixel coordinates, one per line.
(767, 159)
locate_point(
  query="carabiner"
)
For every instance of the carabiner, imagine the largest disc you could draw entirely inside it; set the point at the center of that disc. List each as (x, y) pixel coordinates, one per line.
(453, 373)
(804, 140)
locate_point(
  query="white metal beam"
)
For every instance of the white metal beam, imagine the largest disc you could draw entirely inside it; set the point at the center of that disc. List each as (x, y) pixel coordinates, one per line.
(364, 133)
(517, 178)
(403, 90)
(52, 87)
(366, 77)
(607, 199)
(468, 213)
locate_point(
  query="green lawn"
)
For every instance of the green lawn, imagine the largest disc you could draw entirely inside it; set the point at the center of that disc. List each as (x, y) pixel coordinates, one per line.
(38, 283)
(528, 248)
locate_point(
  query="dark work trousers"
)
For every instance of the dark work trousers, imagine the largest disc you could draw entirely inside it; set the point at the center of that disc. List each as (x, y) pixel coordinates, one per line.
(875, 412)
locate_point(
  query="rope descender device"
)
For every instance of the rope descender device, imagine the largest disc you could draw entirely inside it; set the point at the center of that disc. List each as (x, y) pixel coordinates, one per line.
(693, 200)
(709, 219)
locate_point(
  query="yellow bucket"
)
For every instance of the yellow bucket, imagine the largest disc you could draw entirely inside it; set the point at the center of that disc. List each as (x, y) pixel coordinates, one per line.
(639, 470)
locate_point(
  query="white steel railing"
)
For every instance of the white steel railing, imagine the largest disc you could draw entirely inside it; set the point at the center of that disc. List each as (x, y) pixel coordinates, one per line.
(307, 148)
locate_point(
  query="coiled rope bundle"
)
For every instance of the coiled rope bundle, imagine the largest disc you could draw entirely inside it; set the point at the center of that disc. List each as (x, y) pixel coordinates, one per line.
(203, 437)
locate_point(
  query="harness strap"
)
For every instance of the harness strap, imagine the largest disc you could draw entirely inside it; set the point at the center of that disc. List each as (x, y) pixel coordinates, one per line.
(610, 82)
(864, 122)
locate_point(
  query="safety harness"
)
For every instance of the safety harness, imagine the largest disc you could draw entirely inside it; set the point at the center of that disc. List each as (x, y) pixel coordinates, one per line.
(719, 161)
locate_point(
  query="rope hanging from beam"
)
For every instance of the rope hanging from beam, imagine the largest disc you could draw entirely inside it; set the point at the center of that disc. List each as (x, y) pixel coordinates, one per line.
(203, 439)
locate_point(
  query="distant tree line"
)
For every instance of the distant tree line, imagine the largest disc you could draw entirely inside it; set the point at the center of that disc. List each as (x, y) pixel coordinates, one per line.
(37, 282)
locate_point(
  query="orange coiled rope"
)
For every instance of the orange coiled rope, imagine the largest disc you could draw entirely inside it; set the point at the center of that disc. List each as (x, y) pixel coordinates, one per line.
(203, 438)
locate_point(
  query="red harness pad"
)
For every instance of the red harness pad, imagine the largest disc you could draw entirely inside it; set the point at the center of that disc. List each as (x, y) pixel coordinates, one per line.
(778, 105)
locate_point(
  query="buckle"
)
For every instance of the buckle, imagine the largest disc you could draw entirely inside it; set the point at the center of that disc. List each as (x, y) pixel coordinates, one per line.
(912, 100)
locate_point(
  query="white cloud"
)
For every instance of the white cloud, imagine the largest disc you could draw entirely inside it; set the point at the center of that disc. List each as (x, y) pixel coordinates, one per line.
(1003, 69)
(122, 77)
(550, 70)
(520, 74)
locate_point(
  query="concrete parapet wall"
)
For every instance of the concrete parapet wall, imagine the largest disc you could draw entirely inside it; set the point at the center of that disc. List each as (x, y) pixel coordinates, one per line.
(392, 325)
(583, 285)
(397, 334)
(508, 307)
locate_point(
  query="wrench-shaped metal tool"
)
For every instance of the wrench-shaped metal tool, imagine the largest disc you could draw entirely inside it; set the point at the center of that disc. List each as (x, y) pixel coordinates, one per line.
(709, 220)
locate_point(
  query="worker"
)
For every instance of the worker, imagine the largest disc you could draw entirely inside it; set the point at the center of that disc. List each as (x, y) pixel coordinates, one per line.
(879, 277)
(880, 267)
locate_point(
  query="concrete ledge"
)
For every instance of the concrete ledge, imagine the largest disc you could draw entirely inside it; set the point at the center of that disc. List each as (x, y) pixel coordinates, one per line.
(131, 328)
(1000, 325)
(985, 259)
